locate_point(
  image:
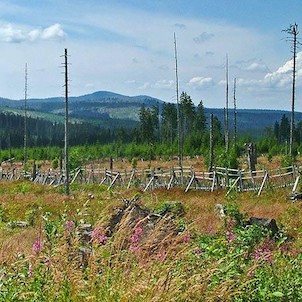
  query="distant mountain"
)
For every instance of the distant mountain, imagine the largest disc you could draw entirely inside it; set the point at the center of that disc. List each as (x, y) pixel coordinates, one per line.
(252, 122)
(111, 110)
(97, 105)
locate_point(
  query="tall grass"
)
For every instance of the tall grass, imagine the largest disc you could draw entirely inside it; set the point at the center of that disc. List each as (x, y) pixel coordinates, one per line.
(175, 257)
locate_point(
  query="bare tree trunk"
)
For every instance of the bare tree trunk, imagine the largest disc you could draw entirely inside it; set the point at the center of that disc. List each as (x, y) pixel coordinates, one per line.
(66, 149)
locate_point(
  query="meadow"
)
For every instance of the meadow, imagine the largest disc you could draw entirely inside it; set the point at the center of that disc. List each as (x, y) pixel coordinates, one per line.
(129, 245)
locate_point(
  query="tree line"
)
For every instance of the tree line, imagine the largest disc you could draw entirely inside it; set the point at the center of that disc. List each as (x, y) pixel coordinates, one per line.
(159, 130)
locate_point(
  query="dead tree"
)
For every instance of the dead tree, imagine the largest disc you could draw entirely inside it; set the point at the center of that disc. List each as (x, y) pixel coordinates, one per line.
(251, 156)
(211, 142)
(66, 138)
(25, 119)
(293, 32)
(235, 116)
(179, 136)
(226, 111)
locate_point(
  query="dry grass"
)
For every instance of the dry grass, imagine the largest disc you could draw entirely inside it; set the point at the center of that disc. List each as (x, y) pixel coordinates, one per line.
(114, 274)
(199, 208)
(13, 244)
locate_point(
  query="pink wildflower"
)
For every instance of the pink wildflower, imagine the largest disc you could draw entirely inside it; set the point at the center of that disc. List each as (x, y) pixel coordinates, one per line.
(134, 239)
(69, 225)
(134, 248)
(198, 251)
(186, 239)
(211, 231)
(98, 236)
(138, 231)
(264, 252)
(230, 236)
(37, 246)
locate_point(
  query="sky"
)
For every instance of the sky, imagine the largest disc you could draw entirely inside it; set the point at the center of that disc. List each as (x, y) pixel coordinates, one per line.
(127, 47)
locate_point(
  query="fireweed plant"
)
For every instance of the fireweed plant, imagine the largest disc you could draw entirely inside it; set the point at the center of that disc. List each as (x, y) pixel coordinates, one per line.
(72, 259)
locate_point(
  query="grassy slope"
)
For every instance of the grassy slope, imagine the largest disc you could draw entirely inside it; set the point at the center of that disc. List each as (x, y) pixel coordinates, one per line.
(39, 114)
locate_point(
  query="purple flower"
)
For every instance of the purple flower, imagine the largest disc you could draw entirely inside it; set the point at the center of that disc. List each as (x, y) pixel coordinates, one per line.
(69, 225)
(186, 238)
(198, 251)
(37, 246)
(264, 252)
(211, 231)
(138, 231)
(134, 239)
(98, 236)
(230, 236)
(134, 248)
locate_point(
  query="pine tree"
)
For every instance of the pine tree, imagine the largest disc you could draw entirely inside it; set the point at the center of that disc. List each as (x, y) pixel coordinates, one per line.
(200, 123)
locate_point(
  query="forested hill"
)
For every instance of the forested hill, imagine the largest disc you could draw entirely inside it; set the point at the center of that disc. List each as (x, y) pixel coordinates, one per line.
(112, 110)
(253, 121)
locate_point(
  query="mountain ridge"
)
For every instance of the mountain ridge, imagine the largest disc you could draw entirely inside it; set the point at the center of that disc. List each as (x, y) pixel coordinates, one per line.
(110, 108)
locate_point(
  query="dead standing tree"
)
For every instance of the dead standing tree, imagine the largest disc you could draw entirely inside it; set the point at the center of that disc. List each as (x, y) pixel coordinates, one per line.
(25, 119)
(66, 138)
(226, 110)
(235, 116)
(211, 142)
(179, 136)
(293, 32)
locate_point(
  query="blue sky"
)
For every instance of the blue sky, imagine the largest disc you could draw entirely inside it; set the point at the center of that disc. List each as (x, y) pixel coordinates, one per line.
(127, 47)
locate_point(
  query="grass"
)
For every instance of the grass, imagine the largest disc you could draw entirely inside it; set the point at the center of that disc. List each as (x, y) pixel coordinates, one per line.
(187, 255)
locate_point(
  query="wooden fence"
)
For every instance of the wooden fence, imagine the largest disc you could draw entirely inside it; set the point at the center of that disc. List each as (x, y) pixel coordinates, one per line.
(183, 177)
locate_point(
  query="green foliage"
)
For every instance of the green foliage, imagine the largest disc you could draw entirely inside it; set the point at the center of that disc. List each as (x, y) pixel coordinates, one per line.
(233, 212)
(55, 163)
(76, 158)
(32, 214)
(286, 161)
(173, 207)
(227, 159)
(134, 163)
(4, 217)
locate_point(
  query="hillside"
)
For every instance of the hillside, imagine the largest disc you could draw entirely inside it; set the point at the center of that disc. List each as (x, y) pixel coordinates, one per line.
(111, 110)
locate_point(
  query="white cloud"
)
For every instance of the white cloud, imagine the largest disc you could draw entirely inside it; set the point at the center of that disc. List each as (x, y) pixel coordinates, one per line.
(198, 82)
(282, 77)
(256, 67)
(53, 32)
(12, 34)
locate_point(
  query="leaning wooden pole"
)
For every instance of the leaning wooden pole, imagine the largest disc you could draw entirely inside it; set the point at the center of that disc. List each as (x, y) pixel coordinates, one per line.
(66, 140)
